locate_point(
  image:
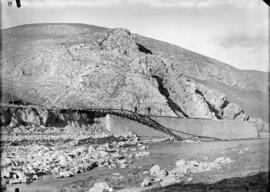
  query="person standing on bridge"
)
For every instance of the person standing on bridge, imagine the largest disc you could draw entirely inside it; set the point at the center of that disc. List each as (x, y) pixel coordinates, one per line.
(149, 110)
(135, 109)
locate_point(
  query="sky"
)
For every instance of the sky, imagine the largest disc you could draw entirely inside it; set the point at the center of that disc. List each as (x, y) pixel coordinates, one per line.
(233, 31)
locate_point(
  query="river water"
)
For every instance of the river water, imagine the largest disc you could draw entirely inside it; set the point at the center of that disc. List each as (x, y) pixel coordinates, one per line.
(249, 156)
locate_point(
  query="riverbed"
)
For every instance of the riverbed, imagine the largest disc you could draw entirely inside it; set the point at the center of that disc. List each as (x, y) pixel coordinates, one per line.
(249, 157)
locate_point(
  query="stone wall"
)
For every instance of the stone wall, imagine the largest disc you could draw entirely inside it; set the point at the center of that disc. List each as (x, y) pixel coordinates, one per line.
(221, 129)
(119, 125)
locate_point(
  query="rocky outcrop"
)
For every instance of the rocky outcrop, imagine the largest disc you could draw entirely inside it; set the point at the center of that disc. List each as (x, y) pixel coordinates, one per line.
(182, 94)
(36, 117)
(182, 170)
(101, 187)
(110, 70)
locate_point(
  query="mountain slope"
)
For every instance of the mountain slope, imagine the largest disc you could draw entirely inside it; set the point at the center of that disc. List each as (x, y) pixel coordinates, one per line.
(83, 66)
(201, 67)
(254, 102)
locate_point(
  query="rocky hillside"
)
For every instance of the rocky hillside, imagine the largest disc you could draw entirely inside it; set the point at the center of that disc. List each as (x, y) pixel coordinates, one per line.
(82, 66)
(248, 88)
(202, 67)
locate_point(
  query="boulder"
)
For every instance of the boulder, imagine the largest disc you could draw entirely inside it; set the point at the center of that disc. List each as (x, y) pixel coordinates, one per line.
(14, 122)
(154, 170)
(101, 187)
(146, 182)
(65, 174)
(158, 173)
(180, 163)
(142, 154)
(168, 180)
(28, 115)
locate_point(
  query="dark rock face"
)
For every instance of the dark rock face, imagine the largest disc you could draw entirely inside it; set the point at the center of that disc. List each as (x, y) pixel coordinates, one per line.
(32, 116)
(108, 69)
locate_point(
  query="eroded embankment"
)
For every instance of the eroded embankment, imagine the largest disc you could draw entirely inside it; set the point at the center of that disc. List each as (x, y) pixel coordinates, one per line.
(14, 116)
(19, 117)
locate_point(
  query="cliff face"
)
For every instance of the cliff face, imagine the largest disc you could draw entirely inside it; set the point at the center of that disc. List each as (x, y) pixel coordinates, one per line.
(105, 69)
